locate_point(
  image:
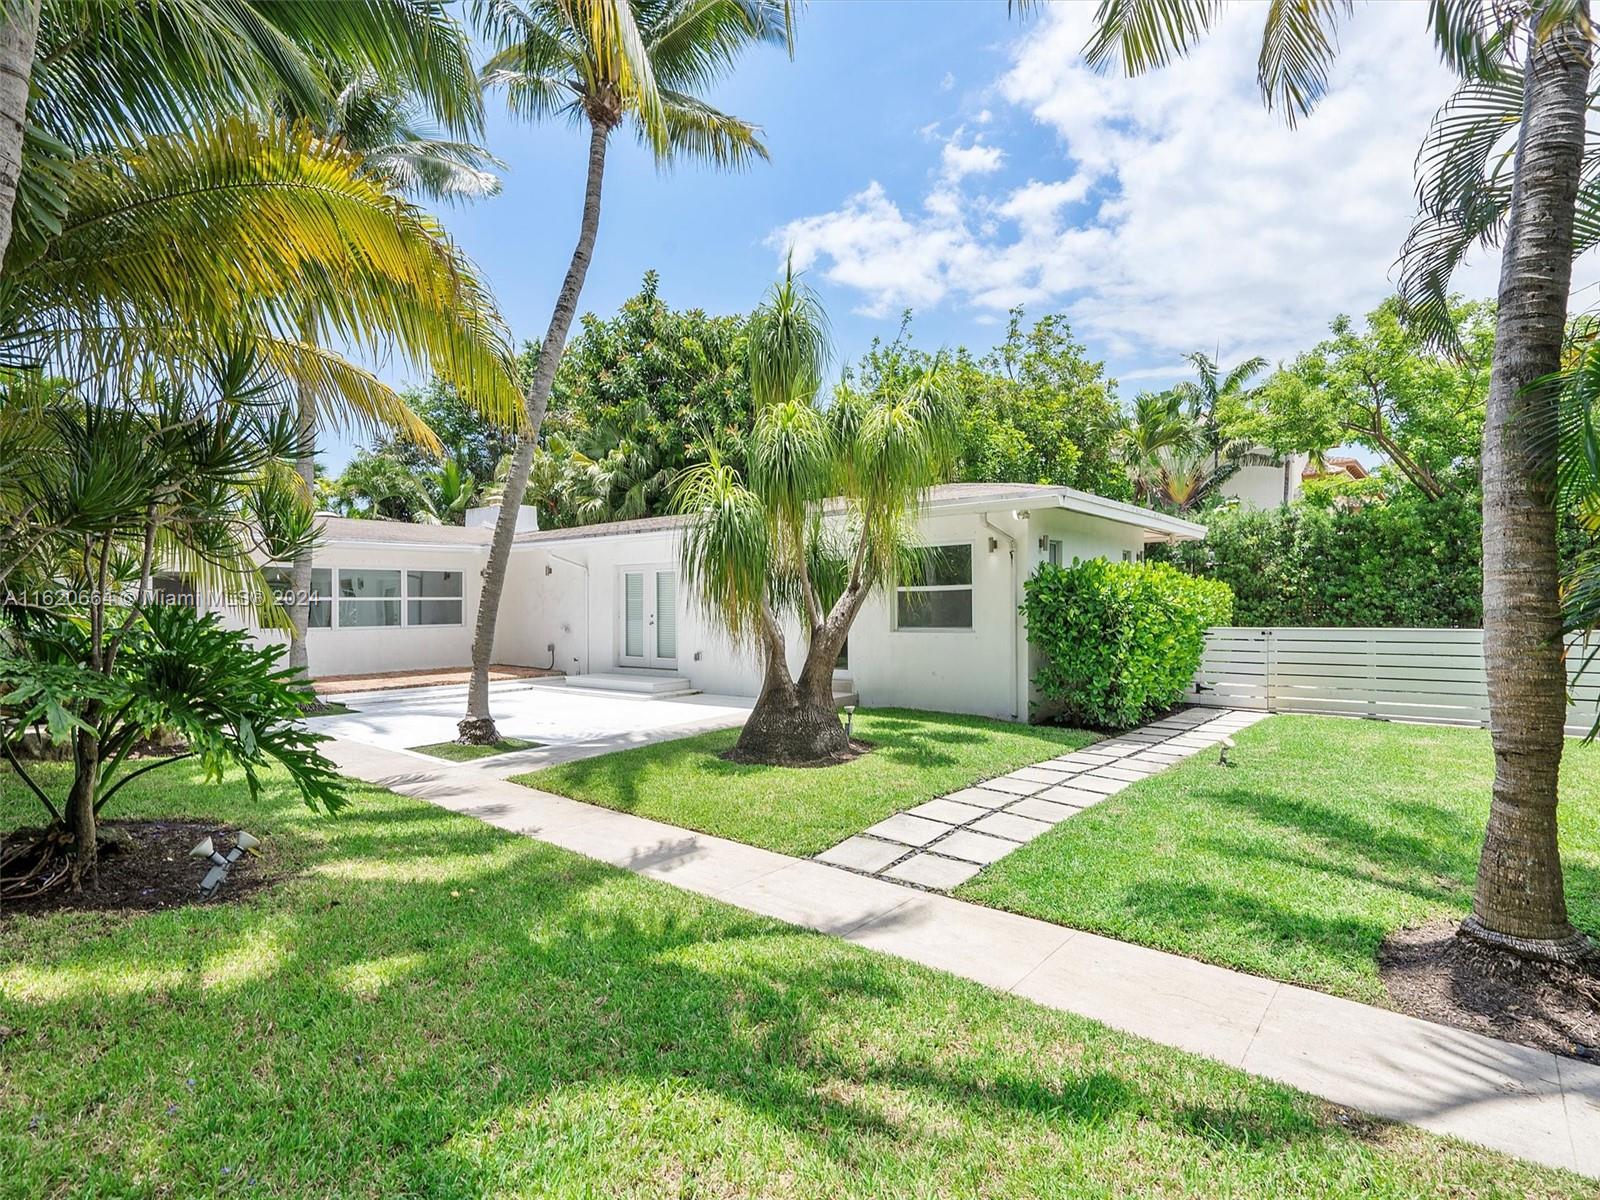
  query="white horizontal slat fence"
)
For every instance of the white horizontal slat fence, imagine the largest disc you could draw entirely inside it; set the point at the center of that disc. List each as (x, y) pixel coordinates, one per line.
(1431, 675)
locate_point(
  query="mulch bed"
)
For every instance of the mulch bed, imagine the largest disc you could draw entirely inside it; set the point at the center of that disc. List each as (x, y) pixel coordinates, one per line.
(150, 869)
(1433, 974)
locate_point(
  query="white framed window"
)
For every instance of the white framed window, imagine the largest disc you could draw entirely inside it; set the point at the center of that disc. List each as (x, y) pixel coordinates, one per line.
(938, 595)
(433, 597)
(368, 599)
(1055, 552)
(280, 582)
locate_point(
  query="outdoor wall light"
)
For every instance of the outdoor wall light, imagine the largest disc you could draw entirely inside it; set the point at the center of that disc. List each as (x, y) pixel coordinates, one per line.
(207, 851)
(1222, 753)
(849, 718)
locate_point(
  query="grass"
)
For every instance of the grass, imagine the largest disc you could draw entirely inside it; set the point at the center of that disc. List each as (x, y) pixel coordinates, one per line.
(461, 752)
(804, 810)
(428, 1006)
(1295, 863)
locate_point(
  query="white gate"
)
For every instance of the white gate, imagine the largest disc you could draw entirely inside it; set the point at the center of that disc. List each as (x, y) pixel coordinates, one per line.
(1396, 674)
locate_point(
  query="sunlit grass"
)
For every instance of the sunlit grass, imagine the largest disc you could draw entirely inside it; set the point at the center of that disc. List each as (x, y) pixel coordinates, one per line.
(462, 752)
(1295, 862)
(512, 1019)
(804, 810)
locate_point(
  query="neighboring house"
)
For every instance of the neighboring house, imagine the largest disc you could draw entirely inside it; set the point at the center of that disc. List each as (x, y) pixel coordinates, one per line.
(1265, 485)
(607, 600)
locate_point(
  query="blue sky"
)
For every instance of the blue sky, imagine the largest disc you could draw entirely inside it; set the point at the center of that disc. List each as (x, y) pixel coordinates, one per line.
(952, 159)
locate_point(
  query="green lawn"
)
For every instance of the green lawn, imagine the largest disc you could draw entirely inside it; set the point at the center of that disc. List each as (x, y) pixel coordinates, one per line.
(461, 752)
(1296, 862)
(431, 1007)
(804, 810)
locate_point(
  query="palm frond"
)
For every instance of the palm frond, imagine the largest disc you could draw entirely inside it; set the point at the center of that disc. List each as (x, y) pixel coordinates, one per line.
(1144, 35)
(1298, 45)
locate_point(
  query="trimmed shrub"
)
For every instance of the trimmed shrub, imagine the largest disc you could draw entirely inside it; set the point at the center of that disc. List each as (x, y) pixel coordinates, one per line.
(1408, 562)
(1118, 642)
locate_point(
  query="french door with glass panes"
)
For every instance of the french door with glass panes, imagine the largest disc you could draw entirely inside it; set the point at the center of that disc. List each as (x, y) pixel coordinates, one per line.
(648, 599)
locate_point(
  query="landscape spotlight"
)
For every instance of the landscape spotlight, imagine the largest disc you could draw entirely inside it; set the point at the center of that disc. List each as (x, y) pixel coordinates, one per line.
(221, 863)
(1222, 755)
(849, 718)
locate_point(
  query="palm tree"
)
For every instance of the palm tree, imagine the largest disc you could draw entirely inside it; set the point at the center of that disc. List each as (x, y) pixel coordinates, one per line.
(1519, 901)
(381, 122)
(599, 63)
(134, 284)
(83, 76)
(1156, 430)
(820, 517)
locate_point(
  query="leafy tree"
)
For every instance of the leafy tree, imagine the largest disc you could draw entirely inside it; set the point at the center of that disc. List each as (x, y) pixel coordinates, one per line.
(160, 476)
(639, 397)
(760, 545)
(599, 63)
(1034, 409)
(1386, 388)
(1526, 70)
(472, 441)
(378, 484)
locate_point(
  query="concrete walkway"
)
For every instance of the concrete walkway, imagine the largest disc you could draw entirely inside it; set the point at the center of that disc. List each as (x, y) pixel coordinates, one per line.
(1524, 1102)
(945, 842)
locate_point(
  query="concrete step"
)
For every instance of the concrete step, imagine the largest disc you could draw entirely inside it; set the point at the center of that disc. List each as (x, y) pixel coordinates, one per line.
(639, 683)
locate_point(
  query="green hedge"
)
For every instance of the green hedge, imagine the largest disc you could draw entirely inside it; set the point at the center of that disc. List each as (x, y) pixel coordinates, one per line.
(1405, 562)
(1119, 642)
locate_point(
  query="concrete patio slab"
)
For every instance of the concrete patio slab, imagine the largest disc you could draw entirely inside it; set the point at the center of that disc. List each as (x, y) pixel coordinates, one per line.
(975, 847)
(1039, 808)
(1094, 781)
(1017, 787)
(1009, 825)
(982, 797)
(911, 831)
(951, 812)
(863, 854)
(931, 871)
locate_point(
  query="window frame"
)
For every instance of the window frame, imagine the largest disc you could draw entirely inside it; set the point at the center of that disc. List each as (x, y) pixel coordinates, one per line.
(459, 599)
(970, 587)
(399, 598)
(324, 599)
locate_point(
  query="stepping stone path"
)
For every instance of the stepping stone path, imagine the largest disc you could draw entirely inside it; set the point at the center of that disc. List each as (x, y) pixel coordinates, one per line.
(947, 841)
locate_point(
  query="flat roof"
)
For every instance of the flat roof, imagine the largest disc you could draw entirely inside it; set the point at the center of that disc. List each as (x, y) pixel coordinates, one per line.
(945, 498)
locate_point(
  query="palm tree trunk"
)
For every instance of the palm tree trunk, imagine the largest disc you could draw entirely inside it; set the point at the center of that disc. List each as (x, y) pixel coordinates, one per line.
(478, 726)
(794, 722)
(305, 464)
(1519, 902)
(19, 35)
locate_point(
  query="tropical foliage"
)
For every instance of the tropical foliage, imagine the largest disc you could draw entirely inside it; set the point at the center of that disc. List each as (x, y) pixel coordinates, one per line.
(1034, 409)
(1404, 561)
(1118, 642)
(819, 516)
(123, 488)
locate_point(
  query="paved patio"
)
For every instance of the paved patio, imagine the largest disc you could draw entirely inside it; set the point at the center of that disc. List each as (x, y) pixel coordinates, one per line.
(1525, 1102)
(565, 724)
(943, 843)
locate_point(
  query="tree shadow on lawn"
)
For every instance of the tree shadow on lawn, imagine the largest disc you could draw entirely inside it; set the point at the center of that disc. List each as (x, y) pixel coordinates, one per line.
(430, 1035)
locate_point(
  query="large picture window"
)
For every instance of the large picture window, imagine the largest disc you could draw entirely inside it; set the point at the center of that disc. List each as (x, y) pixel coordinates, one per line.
(938, 595)
(433, 597)
(368, 599)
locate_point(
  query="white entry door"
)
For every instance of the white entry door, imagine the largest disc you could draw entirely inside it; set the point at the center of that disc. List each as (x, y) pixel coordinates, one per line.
(649, 616)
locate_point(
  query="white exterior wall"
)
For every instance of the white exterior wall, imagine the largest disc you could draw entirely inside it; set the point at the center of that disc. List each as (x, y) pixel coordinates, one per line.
(392, 648)
(568, 593)
(1262, 487)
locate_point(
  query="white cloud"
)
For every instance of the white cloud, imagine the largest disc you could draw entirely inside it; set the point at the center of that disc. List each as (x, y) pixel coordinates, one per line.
(1171, 211)
(976, 159)
(948, 82)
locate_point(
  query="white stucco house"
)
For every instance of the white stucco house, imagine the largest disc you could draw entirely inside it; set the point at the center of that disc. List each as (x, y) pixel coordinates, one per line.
(606, 600)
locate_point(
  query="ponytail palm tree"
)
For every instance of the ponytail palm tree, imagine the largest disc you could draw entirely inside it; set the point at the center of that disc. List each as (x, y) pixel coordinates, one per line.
(820, 516)
(1531, 200)
(599, 64)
